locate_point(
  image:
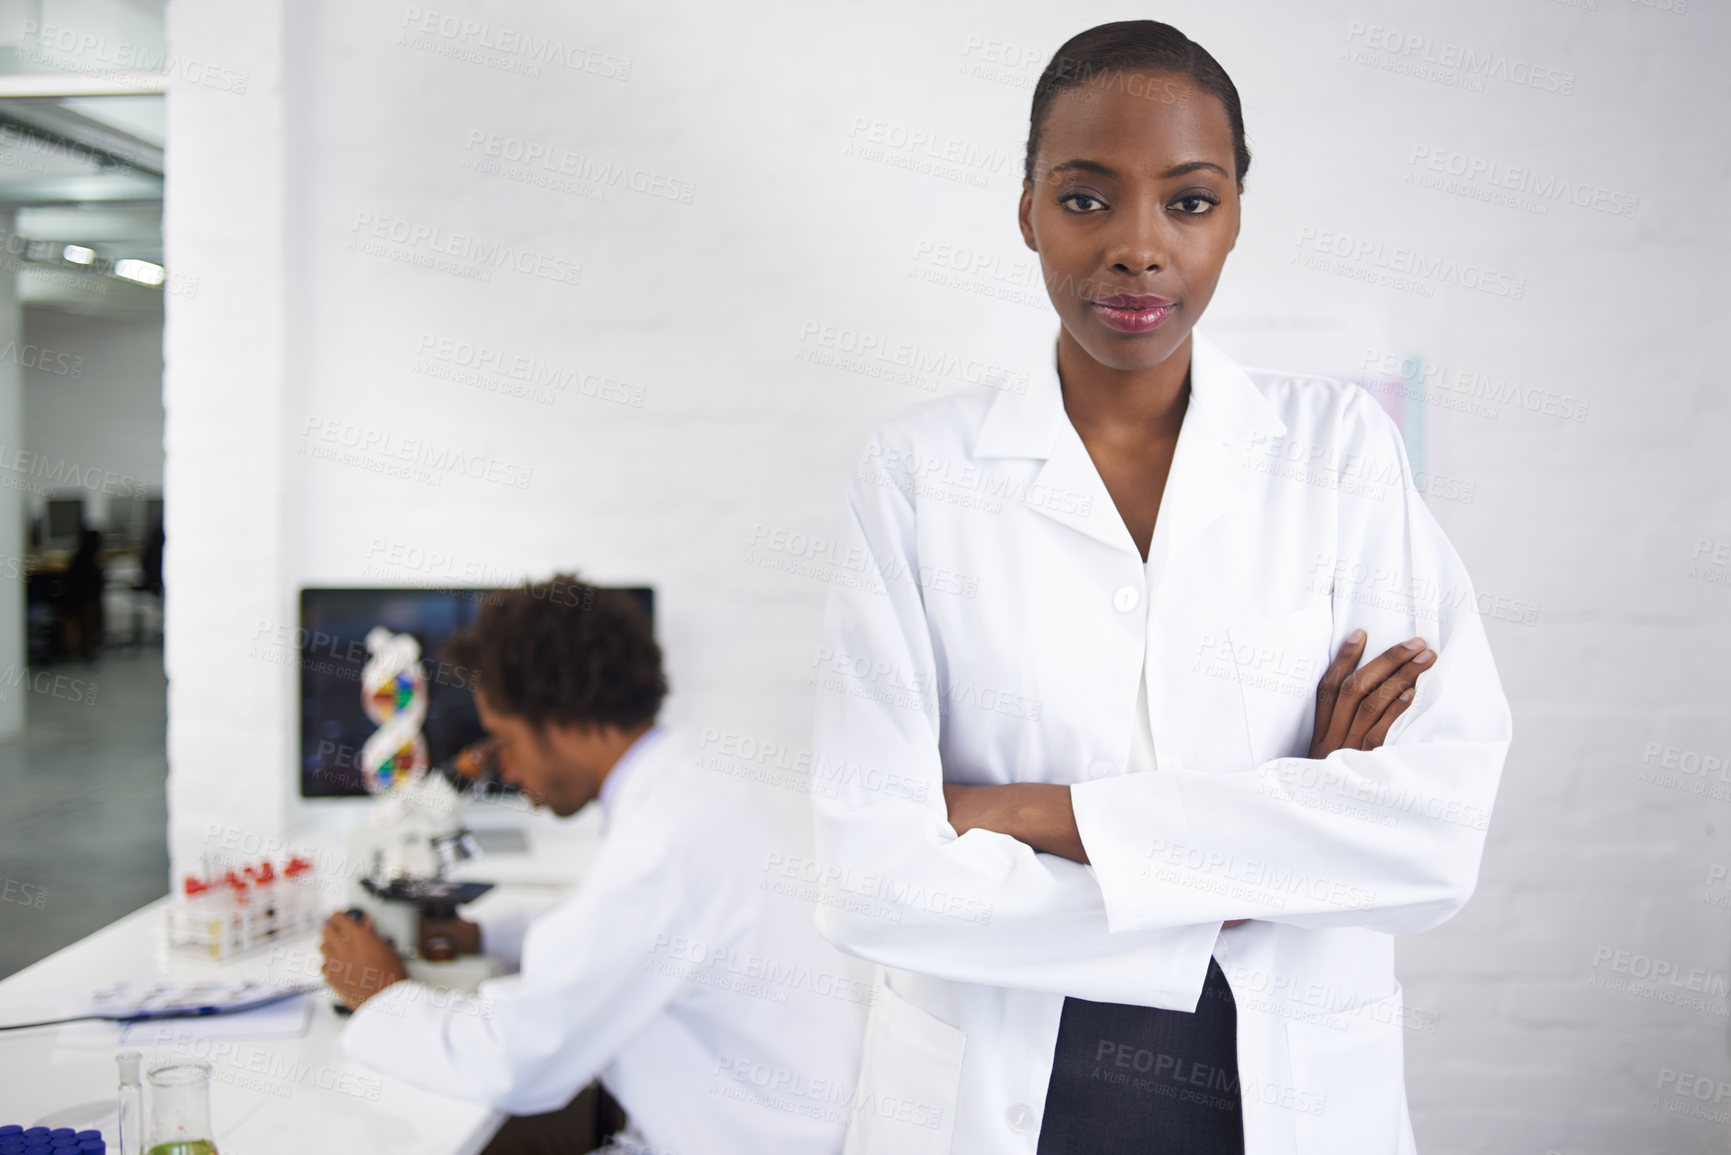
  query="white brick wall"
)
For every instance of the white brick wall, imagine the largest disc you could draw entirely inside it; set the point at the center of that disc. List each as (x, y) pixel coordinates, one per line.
(710, 314)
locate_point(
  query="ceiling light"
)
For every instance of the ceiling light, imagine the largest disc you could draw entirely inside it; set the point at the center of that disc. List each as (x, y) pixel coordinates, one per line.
(142, 272)
(78, 254)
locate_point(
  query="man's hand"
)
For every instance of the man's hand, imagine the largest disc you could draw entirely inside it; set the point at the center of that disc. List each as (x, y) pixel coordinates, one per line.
(358, 963)
(1355, 708)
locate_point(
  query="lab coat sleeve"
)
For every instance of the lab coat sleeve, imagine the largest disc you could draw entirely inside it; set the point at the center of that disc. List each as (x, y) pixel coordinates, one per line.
(595, 970)
(899, 886)
(1389, 839)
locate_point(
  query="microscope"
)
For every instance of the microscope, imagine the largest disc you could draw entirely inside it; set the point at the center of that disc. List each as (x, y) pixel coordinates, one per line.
(399, 862)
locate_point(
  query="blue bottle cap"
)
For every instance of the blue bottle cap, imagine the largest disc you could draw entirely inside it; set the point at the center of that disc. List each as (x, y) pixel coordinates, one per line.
(92, 1147)
(36, 1132)
(11, 1129)
(82, 1136)
(62, 1133)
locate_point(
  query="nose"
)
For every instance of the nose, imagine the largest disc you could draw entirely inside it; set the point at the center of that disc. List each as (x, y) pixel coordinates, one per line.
(1140, 243)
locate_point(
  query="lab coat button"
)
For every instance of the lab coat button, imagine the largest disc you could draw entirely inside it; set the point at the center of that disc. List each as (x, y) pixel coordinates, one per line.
(1100, 767)
(1125, 599)
(1020, 1117)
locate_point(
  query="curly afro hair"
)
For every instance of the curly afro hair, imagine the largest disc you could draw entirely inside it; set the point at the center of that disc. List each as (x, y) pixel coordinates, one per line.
(562, 652)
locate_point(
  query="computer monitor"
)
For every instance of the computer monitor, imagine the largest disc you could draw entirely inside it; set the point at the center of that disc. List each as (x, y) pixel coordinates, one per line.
(65, 522)
(332, 643)
(152, 513)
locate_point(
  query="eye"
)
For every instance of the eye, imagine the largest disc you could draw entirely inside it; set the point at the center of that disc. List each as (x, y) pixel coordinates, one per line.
(1195, 204)
(1067, 199)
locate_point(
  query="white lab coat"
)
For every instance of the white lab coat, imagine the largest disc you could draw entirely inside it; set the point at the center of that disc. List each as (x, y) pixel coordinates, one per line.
(1002, 636)
(706, 1003)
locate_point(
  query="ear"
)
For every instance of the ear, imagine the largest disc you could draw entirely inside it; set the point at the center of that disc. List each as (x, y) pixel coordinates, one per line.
(1024, 215)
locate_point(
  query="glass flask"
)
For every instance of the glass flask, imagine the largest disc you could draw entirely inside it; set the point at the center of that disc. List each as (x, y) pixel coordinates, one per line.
(179, 1109)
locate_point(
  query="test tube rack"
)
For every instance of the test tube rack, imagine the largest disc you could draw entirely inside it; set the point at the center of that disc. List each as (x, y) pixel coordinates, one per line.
(228, 914)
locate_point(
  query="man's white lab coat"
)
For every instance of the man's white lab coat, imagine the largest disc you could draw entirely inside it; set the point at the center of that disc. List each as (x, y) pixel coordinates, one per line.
(999, 635)
(706, 1002)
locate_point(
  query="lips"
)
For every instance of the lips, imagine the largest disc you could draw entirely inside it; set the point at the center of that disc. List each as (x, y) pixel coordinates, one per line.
(1133, 313)
(1133, 302)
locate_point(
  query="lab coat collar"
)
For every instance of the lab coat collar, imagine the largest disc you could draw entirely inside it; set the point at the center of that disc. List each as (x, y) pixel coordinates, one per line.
(1222, 396)
(1207, 477)
(617, 789)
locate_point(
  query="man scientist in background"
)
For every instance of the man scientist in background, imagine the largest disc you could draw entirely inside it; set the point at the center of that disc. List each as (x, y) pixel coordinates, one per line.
(708, 1007)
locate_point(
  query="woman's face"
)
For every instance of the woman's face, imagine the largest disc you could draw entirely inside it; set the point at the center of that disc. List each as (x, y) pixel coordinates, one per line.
(1133, 208)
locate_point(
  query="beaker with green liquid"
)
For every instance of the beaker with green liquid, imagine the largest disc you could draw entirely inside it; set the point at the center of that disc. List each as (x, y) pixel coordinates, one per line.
(179, 1109)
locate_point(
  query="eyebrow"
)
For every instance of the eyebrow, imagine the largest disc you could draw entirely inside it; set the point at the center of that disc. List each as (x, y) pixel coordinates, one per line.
(1095, 166)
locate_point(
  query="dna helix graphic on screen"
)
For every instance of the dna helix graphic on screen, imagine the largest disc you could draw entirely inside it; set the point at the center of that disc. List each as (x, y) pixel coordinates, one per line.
(393, 694)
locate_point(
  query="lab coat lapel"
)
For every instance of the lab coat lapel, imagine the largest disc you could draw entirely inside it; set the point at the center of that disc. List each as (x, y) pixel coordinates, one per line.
(1209, 467)
(1067, 488)
(1211, 472)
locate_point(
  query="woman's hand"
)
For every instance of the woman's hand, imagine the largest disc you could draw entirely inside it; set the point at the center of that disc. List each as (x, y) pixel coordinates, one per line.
(1037, 813)
(1355, 708)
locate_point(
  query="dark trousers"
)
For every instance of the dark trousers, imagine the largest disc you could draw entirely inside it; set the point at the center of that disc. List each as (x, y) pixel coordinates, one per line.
(1130, 1080)
(580, 1126)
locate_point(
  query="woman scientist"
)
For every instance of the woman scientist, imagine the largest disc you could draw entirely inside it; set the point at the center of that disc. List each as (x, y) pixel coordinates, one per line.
(1132, 877)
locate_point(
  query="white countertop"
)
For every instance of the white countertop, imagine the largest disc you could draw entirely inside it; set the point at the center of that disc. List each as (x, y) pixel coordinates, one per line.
(268, 1096)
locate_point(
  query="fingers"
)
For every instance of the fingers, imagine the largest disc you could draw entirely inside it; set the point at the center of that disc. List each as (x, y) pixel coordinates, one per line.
(1380, 698)
(1345, 698)
(1375, 735)
(1372, 673)
(1328, 690)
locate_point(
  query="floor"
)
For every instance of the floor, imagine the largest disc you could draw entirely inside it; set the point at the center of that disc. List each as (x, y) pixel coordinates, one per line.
(83, 802)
